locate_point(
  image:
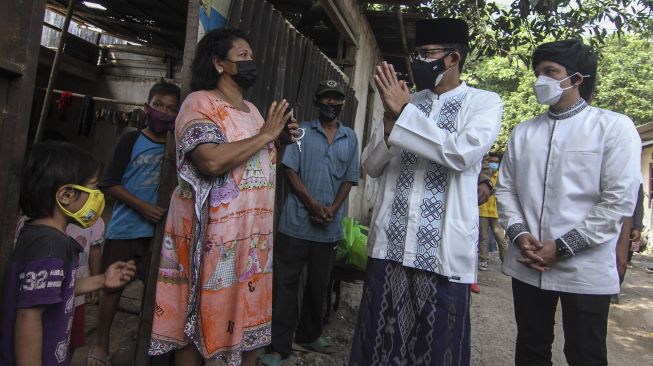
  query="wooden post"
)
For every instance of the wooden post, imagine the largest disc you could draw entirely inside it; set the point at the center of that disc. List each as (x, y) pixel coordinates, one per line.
(192, 25)
(21, 24)
(168, 183)
(53, 72)
(404, 44)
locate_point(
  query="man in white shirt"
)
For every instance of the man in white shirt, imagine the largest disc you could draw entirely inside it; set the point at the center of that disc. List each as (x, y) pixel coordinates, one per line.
(424, 231)
(567, 180)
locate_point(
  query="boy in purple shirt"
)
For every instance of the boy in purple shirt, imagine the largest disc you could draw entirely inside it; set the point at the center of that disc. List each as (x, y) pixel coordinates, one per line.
(58, 187)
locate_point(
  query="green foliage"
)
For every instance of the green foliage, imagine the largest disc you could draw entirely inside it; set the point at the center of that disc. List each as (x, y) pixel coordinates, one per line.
(513, 81)
(504, 36)
(624, 78)
(623, 85)
(516, 29)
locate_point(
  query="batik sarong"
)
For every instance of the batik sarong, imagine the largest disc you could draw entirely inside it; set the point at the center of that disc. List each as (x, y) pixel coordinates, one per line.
(411, 317)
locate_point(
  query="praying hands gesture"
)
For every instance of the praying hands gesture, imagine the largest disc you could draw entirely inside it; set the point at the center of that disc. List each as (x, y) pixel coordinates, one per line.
(539, 256)
(394, 93)
(280, 124)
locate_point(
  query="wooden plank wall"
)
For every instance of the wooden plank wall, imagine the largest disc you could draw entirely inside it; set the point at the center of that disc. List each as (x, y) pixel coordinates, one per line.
(290, 66)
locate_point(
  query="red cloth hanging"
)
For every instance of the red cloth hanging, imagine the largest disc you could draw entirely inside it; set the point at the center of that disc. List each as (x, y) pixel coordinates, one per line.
(65, 100)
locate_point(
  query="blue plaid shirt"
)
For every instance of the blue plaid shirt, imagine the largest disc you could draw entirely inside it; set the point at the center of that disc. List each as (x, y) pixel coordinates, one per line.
(322, 168)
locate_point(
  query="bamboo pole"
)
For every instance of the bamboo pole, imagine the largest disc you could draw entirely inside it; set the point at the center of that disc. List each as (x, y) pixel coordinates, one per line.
(53, 72)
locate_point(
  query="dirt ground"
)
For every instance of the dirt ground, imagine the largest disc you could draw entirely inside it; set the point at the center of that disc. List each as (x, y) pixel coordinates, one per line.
(630, 328)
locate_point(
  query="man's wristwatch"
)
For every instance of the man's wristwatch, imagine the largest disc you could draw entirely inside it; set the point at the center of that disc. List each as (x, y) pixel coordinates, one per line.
(488, 182)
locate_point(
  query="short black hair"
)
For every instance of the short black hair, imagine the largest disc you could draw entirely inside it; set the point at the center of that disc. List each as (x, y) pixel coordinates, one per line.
(215, 43)
(575, 57)
(164, 88)
(496, 154)
(49, 166)
(463, 49)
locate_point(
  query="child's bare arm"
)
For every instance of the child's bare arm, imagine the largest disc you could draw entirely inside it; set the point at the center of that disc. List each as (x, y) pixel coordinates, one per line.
(152, 213)
(117, 275)
(29, 336)
(85, 285)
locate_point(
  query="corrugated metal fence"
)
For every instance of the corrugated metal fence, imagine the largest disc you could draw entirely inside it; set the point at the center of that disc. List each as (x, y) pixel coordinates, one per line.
(290, 65)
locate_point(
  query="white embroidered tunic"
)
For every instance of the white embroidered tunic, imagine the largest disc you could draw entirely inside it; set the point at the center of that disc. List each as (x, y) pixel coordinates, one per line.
(573, 179)
(426, 214)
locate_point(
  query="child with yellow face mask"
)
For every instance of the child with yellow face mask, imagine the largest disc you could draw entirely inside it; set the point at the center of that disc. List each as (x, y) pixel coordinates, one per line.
(58, 187)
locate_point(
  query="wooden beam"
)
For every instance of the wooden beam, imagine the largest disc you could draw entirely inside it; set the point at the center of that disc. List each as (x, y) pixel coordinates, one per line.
(190, 45)
(69, 65)
(129, 31)
(133, 25)
(404, 44)
(340, 22)
(172, 8)
(21, 24)
(10, 67)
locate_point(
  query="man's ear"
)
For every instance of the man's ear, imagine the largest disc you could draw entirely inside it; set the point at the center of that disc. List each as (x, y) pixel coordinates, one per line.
(65, 195)
(455, 58)
(577, 79)
(146, 106)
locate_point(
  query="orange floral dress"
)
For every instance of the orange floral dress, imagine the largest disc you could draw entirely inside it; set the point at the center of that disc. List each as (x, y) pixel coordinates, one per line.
(214, 287)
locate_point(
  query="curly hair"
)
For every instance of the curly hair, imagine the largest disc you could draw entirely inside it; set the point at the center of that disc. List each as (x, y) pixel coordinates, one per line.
(215, 43)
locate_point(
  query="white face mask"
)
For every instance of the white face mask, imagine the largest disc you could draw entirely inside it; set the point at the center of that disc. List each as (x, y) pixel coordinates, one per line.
(548, 90)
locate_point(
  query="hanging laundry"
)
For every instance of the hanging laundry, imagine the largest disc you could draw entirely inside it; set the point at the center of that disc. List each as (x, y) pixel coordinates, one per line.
(86, 116)
(65, 100)
(137, 118)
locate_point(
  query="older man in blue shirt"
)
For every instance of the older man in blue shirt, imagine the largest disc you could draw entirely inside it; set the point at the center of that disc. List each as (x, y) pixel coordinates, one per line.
(320, 176)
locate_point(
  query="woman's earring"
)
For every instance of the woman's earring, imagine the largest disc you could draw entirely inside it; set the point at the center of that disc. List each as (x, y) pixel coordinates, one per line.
(219, 71)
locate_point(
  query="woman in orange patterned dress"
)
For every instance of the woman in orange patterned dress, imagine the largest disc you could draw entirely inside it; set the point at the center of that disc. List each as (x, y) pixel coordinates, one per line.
(214, 289)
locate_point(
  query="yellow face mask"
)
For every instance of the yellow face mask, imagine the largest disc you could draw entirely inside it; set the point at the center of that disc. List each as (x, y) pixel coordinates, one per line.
(92, 209)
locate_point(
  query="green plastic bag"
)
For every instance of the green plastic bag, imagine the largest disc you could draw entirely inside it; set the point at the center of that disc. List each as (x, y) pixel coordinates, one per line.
(344, 245)
(352, 249)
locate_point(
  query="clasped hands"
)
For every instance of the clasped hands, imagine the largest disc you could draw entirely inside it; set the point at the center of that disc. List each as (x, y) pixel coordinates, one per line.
(537, 255)
(320, 214)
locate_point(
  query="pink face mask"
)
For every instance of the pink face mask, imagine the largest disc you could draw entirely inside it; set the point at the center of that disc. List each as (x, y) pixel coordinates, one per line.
(159, 121)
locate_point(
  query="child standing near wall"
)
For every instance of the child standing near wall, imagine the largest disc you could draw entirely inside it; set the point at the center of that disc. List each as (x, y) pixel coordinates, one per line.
(132, 178)
(58, 187)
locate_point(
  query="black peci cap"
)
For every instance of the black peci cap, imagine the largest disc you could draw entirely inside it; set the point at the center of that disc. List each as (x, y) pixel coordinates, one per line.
(441, 31)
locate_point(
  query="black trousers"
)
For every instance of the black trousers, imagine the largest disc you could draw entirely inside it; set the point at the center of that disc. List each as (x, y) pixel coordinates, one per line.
(584, 320)
(290, 256)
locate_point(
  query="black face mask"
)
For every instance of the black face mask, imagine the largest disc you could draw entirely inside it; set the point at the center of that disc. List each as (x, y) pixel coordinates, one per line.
(329, 111)
(245, 73)
(428, 75)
